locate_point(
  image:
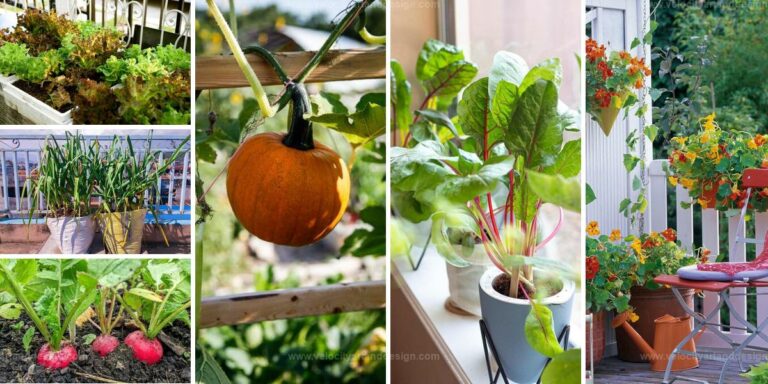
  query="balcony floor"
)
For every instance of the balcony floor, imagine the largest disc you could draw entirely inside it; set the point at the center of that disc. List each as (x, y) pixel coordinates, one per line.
(612, 370)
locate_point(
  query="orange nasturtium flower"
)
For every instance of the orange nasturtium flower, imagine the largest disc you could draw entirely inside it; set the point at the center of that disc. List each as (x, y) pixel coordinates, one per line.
(633, 317)
(615, 235)
(669, 234)
(672, 180)
(593, 229)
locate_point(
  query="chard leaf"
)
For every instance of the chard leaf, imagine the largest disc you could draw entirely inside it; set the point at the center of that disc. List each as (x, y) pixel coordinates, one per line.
(549, 70)
(438, 118)
(453, 234)
(568, 161)
(539, 331)
(508, 67)
(564, 368)
(400, 96)
(449, 81)
(557, 190)
(474, 113)
(434, 56)
(533, 131)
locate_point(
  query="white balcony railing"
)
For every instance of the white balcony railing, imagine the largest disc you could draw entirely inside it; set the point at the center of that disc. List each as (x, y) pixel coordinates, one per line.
(20, 155)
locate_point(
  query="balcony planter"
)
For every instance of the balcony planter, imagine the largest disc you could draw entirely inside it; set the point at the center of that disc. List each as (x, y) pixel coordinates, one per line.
(505, 318)
(73, 235)
(597, 334)
(123, 231)
(30, 107)
(649, 305)
(462, 287)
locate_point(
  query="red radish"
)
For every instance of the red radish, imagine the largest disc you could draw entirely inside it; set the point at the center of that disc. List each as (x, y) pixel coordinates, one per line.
(147, 350)
(105, 344)
(56, 359)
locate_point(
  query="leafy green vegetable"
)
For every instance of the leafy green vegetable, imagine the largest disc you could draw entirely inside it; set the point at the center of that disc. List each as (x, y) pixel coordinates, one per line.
(539, 331)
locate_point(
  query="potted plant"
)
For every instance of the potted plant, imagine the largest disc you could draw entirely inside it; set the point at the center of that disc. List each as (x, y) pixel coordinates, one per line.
(610, 264)
(483, 188)
(65, 178)
(611, 82)
(710, 163)
(122, 180)
(657, 254)
(58, 71)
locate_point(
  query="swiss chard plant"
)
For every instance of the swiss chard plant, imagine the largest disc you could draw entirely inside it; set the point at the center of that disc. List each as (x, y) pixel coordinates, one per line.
(53, 293)
(482, 176)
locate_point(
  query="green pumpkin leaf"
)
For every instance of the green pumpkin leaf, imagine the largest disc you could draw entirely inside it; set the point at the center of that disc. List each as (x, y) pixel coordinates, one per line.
(539, 331)
(564, 368)
(365, 124)
(207, 370)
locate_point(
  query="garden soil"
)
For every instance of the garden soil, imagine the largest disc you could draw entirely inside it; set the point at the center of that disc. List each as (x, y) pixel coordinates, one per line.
(16, 365)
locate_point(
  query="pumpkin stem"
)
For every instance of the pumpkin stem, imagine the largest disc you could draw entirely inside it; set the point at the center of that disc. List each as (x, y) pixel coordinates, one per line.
(299, 129)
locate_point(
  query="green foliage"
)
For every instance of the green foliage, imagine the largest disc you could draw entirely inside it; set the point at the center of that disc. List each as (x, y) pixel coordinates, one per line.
(65, 177)
(564, 368)
(757, 374)
(66, 58)
(366, 123)
(162, 296)
(341, 348)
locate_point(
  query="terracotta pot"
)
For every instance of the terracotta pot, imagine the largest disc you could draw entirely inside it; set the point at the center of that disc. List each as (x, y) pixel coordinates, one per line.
(649, 305)
(598, 324)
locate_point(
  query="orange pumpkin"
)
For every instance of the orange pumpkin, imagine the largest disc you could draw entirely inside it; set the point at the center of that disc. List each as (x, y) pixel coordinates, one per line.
(286, 189)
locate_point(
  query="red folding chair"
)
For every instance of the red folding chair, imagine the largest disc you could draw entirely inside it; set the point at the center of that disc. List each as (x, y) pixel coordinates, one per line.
(736, 277)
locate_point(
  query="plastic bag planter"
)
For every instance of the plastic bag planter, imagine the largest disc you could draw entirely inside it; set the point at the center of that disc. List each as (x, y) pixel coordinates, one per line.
(505, 316)
(32, 109)
(123, 231)
(462, 287)
(73, 235)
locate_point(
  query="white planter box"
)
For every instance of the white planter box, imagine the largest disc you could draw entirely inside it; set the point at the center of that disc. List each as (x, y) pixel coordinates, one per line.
(32, 108)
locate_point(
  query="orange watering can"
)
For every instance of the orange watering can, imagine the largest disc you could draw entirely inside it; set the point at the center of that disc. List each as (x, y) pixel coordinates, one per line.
(669, 332)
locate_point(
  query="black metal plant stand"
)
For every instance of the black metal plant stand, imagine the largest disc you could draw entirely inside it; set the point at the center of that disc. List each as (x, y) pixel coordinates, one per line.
(488, 341)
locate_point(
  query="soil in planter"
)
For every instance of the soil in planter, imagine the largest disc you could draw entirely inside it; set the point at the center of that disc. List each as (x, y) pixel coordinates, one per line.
(41, 94)
(501, 285)
(16, 365)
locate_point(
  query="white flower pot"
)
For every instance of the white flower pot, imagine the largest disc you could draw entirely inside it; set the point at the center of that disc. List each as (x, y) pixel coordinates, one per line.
(462, 287)
(31, 108)
(505, 319)
(73, 235)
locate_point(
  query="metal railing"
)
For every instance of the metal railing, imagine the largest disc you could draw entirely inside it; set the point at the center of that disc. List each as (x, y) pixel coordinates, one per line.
(159, 22)
(20, 156)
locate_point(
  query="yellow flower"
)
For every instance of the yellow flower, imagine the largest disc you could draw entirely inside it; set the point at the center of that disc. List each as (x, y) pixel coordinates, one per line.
(690, 156)
(593, 229)
(751, 144)
(703, 202)
(705, 138)
(672, 180)
(680, 140)
(709, 122)
(637, 246)
(714, 152)
(633, 317)
(687, 183)
(615, 235)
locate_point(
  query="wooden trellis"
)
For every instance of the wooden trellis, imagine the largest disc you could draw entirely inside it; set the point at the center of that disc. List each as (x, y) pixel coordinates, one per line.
(216, 72)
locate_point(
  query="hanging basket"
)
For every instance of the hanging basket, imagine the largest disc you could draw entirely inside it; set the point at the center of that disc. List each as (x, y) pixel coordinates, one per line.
(606, 117)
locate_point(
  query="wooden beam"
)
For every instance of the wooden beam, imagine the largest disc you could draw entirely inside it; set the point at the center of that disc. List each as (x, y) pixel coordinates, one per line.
(289, 303)
(214, 72)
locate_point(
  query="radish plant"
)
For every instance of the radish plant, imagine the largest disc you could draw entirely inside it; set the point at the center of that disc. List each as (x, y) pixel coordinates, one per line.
(158, 300)
(53, 293)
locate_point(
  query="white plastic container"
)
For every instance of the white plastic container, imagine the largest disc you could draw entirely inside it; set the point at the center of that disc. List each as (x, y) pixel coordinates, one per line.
(73, 235)
(31, 108)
